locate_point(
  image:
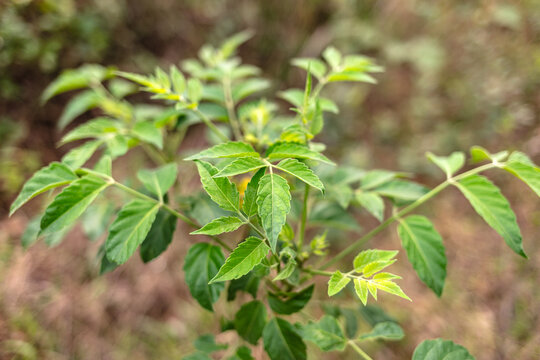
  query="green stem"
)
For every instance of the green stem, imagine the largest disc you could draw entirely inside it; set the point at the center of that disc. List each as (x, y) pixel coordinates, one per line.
(358, 243)
(317, 272)
(360, 352)
(211, 125)
(302, 224)
(142, 196)
(229, 104)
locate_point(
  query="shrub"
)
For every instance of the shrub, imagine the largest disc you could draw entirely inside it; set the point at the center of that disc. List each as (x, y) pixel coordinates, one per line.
(267, 180)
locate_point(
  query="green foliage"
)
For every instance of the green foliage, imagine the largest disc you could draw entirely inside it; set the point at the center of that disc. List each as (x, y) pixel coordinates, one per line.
(259, 174)
(441, 349)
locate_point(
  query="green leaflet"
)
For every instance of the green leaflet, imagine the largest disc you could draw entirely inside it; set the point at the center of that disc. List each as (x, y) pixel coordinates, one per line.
(250, 320)
(389, 287)
(296, 97)
(368, 257)
(293, 303)
(201, 264)
(226, 150)
(375, 178)
(148, 132)
(528, 173)
(81, 103)
(220, 225)
(242, 353)
(241, 166)
(96, 128)
(284, 150)
(282, 342)
(274, 203)
(361, 289)
(75, 79)
(301, 171)
(480, 154)
(250, 195)
(441, 349)
(207, 344)
(315, 66)
(78, 156)
(71, 203)
(401, 192)
(388, 330)
(448, 164)
(249, 87)
(492, 206)
(129, 229)
(49, 177)
(242, 260)
(159, 237)
(372, 202)
(337, 282)
(326, 334)
(221, 190)
(425, 250)
(160, 180)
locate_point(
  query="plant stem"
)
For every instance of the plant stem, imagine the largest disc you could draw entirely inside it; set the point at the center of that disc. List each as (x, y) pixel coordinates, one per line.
(302, 224)
(140, 195)
(359, 350)
(211, 125)
(317, 272)
(358, 243)
(229, 103)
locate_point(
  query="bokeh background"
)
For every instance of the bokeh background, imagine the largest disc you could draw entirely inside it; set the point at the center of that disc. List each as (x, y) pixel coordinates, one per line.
(458, 73)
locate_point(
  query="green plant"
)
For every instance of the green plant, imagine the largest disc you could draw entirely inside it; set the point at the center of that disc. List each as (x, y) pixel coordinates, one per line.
(266, 180)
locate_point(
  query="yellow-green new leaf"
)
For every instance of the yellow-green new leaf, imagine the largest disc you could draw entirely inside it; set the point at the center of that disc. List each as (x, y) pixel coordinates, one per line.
(492, 206)
(389, 287)
(231, 149)
(367, 257)
(71, 203)
(219, 226)
(301, 171)
(49, 177)
(221, 190)
(274, 203)
(129, 229)
(242, 260)
(361, 289)
(241, 166)
(337, 282)
(425, 250)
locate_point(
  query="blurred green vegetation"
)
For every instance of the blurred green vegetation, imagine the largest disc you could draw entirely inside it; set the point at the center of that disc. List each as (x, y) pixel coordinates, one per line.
(457, 72)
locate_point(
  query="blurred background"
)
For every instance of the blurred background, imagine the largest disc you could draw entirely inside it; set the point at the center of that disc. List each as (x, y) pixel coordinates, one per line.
(458, 73)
